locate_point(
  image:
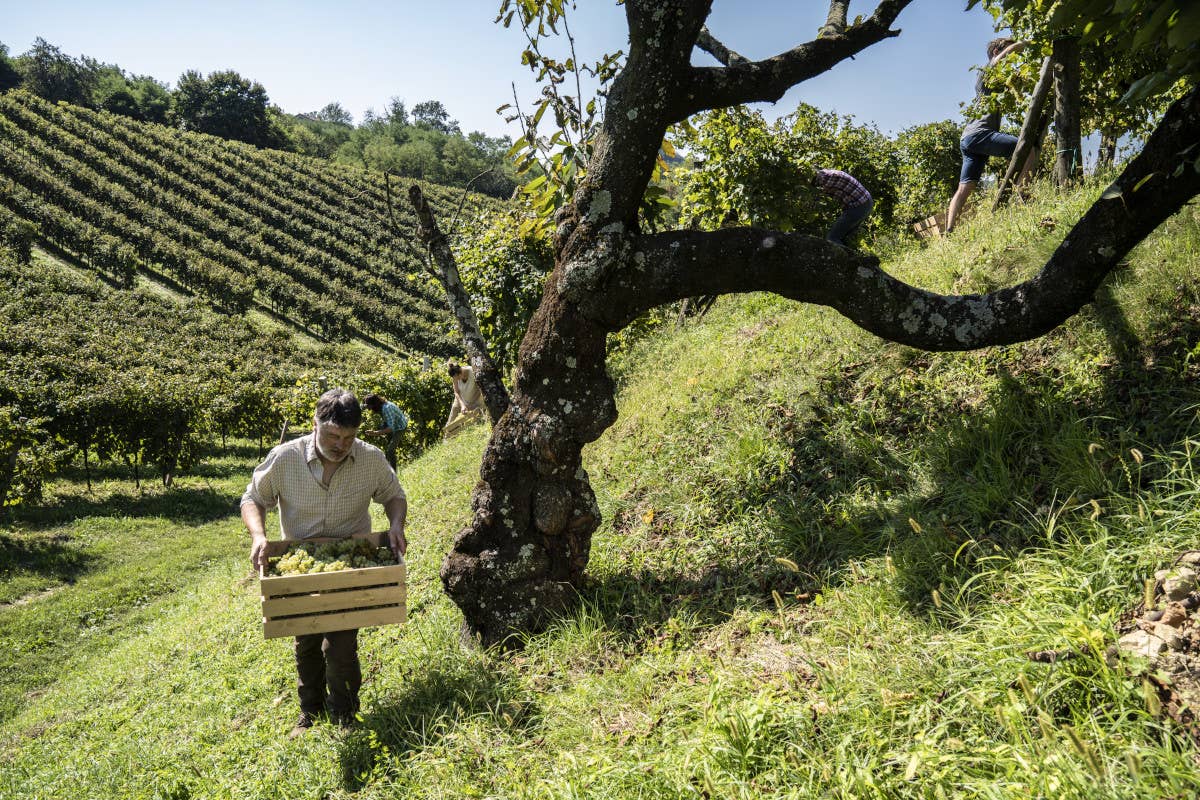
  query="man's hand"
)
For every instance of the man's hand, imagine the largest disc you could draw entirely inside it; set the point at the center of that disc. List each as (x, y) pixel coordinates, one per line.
(254, 518)
(398, 541)
(258, 552)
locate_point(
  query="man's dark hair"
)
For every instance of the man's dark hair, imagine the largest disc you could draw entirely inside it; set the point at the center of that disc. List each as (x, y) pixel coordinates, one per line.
(339, 407)
(453, 369)
(373, 402)
(996, 45)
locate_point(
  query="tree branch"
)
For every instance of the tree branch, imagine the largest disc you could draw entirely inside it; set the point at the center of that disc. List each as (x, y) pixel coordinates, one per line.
(711, 45)
(1033, 129)
(768, 80)
(835, 21)
(1155, 185)
(495, 396)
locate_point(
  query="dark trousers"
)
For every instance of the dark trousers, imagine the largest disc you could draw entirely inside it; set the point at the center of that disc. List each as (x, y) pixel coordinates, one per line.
(327, 667)
(390, 449)
(849, 221)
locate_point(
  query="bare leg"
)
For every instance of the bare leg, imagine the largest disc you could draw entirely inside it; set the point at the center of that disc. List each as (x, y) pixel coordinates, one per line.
(957, 202)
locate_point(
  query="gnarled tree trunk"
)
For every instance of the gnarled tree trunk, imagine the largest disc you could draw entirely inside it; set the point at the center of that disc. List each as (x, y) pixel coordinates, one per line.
(521, 559)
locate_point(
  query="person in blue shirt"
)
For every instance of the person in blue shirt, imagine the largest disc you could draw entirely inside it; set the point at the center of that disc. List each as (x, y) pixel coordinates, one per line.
(394, 422)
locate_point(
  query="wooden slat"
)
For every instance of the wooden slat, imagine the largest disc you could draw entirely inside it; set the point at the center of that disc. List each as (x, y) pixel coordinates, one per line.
(333, 601)
(323, 623)
(321, 581)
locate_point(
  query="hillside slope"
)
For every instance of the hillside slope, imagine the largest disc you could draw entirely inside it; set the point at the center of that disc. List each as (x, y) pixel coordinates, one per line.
(823, 564)
(308, 241)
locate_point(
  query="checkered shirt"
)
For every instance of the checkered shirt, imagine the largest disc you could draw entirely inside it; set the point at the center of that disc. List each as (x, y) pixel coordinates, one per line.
(287, 479)
(393, 417)
(843, 186)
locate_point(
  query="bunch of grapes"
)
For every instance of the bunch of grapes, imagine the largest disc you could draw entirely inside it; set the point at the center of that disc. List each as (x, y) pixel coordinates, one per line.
(308, 558)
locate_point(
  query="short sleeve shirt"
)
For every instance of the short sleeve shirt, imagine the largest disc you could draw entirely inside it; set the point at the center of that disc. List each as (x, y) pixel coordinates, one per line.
(393, 417)
(286, 479)
(990, 122)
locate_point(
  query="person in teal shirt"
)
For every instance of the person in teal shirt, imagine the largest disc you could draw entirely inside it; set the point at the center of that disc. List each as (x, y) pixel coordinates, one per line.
(394, 422)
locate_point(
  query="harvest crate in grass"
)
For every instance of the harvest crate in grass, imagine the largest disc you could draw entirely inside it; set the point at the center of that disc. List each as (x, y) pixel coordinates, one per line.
(293, 605)
(931, 226)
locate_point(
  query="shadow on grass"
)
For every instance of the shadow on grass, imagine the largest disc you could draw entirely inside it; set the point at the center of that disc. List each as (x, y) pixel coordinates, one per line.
(53, 559)
(432, 703)
(192, 505)
(998, 471)
(992, 470)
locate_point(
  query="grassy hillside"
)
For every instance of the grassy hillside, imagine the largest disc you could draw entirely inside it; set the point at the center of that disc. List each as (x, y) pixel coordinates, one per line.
(823, 563)
(311, 243)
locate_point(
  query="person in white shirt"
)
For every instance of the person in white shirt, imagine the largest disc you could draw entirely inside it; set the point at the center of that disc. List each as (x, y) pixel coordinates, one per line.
(468, 397)
(323, 484)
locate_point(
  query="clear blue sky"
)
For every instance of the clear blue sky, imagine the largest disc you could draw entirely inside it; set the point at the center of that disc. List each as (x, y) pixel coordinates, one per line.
(307, 53)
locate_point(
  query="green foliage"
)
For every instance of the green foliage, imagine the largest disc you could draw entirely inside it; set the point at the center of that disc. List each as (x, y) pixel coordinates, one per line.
(127, 375)
(227, 105)
(48, 72)
(1124, 29)
(433, 115)
(503, 272)
(423, 394)
(18, 235)
(1137, 56)
(27, 458)
(429, 147)
(10, 76)
(232, 223)
(553, 165)
(744, 169)
(929, 162)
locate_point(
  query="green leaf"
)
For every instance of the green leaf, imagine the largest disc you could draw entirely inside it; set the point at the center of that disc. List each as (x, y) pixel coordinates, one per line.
(1186, 29)
(1142, 182)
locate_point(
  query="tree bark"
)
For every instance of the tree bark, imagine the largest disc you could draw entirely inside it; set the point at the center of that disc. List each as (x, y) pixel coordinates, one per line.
(487, 375)
(713, 46)
(522, 558)
(1032, 131)
(1068, 162)
(1106, 155)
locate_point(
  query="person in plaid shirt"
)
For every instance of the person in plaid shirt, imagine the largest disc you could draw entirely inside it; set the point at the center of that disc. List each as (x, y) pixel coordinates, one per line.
(394, 422)
(323, 484)
(855, 199)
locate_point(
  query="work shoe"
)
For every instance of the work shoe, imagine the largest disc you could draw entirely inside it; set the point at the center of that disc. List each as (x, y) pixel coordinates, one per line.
(305, 722)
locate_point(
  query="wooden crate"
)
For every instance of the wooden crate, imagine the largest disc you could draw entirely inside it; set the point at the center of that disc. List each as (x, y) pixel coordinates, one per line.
(931, 227)
(293, 605)
(462, 421)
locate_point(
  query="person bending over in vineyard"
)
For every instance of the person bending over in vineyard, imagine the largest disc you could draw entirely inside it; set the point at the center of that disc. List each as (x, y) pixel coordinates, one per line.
(394, 423)
(855, 199)
(982, 138)
(468, 398)
(323, 484)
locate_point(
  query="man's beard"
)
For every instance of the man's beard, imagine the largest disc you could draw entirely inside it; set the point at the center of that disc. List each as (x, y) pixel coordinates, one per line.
(326, 456)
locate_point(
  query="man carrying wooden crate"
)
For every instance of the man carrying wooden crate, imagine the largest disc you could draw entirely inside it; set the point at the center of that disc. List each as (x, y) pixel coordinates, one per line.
(323, 484)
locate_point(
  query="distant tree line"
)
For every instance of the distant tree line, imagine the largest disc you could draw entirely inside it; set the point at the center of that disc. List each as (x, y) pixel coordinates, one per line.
(424, 143)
